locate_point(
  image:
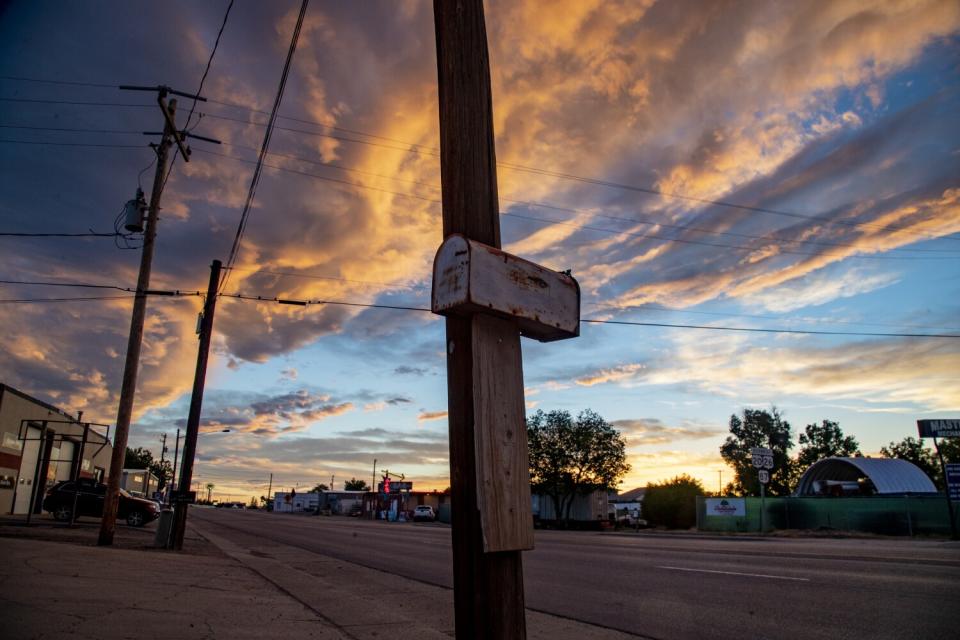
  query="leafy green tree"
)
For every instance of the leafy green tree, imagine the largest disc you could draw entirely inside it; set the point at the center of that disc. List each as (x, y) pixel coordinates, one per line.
(320, 487)
(759, 428)
(573, 457)
(912, 450)
(355, 485)
(672, 503)
(825, 440)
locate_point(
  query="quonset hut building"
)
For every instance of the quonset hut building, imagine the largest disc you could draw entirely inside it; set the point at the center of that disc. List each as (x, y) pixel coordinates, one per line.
(863, 476)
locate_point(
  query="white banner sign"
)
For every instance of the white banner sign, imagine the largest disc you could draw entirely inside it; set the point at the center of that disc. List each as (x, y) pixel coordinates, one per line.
(729, 507)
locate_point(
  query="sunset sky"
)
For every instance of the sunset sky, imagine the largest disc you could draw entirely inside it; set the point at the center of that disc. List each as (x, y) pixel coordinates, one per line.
(622, 128)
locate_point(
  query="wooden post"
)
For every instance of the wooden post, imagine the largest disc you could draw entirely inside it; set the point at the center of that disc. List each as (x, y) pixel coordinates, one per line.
(128, 388)
(484, 371)
(196, 403)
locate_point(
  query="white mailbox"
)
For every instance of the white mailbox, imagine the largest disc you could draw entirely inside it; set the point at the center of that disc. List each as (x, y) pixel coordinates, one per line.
(472, 278)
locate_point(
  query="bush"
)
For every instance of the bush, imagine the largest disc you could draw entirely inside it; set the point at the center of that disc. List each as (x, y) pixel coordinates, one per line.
(673, 503)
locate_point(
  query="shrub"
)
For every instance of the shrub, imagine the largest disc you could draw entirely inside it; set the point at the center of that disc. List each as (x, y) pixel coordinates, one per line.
(672, 503)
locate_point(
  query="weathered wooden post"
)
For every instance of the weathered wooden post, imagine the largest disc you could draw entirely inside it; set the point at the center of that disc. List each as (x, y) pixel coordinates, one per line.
(488, 298)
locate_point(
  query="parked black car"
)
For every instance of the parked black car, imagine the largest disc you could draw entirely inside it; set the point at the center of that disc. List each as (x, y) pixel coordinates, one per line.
(89, 498)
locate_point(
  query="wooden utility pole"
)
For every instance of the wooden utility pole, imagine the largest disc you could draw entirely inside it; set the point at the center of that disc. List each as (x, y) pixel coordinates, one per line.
(482, 352)
(108, 523)
(196, 403)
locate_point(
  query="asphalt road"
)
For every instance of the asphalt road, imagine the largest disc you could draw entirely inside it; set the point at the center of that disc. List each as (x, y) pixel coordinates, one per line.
(669, 586)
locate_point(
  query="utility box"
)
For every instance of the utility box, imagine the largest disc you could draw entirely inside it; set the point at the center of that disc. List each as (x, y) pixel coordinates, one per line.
(164, 527)
(472, 278)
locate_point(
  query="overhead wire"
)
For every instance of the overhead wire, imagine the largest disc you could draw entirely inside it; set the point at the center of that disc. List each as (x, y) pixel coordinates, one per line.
(255, 179)
(320, 301)
(199, 90)
(80, 299)
(424, 150)
(570, 224)
(90, 234)
(528, 203)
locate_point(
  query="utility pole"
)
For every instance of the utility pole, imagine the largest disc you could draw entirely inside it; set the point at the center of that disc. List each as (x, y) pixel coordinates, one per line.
(484, 368)
(176, 456)
(196, 402)
(108, 523)
(270, 491)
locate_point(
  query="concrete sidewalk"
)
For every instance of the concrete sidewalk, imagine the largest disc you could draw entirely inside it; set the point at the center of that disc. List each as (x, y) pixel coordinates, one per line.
(55, 583)
(73, 589)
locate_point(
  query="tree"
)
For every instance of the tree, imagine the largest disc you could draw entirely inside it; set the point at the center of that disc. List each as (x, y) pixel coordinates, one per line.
(673, 503)
(320, 487)
(759, 428)
(912, 450)
(163, 471)
(210, 487)
(825, 440)
(573, 457)
(138, 458)
(355, 485)
(141, 458)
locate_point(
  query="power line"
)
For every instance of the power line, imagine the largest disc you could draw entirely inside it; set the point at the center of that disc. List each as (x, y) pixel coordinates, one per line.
(199, 90)
(311, 302)
(768, 237)
(723, 246)
(257, 172)
(87, 285)
(75, 144)
(570, 224)
(81, 299)
(71, 83)
(79, 103)
(91, 234)
(423, 150)
(727, 314)
(68, 129)
(596, 321)
(758, 330)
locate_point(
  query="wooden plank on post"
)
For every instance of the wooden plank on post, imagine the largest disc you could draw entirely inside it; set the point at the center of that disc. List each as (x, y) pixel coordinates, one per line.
(500, 437)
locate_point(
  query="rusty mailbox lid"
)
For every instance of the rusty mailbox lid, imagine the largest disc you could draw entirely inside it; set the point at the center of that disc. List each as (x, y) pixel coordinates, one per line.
(470, 277)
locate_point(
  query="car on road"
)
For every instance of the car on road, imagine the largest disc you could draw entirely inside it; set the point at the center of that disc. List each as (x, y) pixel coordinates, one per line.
(88, 496)
(424, 513)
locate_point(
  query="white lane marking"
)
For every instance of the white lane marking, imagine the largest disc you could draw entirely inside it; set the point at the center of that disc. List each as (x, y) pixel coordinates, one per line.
(736, 573)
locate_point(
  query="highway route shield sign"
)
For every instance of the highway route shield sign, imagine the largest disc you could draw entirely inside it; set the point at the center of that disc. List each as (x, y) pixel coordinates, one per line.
(764, 476)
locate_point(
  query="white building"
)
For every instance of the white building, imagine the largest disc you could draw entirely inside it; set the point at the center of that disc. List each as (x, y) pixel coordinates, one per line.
(293, 502)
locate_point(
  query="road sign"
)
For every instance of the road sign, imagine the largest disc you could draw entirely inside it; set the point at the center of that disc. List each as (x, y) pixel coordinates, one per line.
(953, 480)
(764, 476)
(761, 457)
(184, 497)
(939, 428)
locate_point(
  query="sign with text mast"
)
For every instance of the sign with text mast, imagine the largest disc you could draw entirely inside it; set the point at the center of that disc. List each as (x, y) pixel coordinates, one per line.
(947, 428)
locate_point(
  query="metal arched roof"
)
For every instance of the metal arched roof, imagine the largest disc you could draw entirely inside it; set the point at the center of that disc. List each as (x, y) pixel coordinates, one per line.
(889, 475)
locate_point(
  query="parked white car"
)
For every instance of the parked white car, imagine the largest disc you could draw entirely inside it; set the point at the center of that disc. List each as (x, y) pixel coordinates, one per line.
(424, 513)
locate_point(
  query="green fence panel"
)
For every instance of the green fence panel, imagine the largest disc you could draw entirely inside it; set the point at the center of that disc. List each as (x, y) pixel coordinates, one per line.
(887, 515)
